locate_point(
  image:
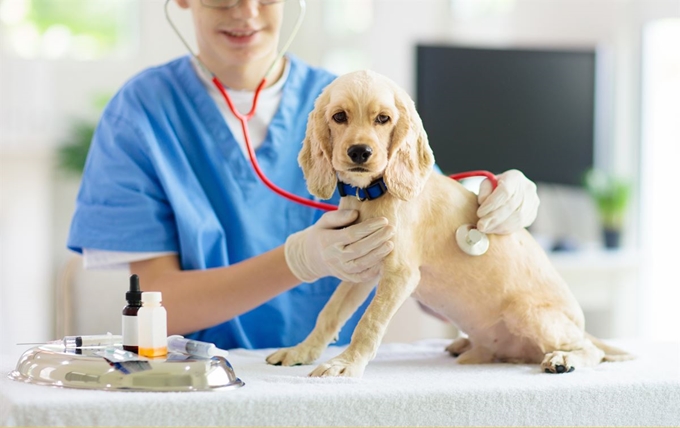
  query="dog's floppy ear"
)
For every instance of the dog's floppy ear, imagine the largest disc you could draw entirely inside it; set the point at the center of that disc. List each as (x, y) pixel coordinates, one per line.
(410, 158)
(315, 156)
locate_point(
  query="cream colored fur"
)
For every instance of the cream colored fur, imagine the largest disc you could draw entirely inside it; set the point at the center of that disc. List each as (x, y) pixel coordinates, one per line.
(511, 302)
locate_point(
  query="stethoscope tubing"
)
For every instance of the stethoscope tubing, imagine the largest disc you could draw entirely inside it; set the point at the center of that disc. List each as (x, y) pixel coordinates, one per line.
(244, 118)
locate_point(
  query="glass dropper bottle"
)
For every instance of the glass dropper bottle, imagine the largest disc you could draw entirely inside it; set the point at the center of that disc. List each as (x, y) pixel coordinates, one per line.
(134, 303)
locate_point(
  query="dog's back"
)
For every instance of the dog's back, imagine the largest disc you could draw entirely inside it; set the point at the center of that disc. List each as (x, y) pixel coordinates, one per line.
(510, 301)
(477, 293)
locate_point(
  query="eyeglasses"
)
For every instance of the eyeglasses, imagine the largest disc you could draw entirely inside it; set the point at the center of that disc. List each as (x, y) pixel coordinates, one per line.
(228, 4)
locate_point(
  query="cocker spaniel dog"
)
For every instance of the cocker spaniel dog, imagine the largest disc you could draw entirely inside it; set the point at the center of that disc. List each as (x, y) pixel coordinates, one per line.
(364, 132)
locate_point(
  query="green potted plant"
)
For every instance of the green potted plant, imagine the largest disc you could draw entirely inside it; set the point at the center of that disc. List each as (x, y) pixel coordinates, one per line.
(611, 195)
(71, 154)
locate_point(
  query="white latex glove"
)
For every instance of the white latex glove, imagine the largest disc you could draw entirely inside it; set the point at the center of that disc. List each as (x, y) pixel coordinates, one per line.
(334, 246)
(513, 205)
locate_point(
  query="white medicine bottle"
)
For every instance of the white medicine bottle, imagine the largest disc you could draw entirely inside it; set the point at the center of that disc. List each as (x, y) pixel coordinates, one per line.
(153, 326)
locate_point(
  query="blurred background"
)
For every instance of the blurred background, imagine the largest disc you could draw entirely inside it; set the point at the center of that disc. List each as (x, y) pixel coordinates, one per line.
(581, 95)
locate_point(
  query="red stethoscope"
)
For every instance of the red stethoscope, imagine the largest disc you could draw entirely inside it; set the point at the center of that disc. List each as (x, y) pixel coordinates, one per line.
(244, 118)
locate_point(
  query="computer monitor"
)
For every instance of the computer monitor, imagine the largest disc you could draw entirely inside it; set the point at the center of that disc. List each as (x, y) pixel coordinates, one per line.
(497, 109)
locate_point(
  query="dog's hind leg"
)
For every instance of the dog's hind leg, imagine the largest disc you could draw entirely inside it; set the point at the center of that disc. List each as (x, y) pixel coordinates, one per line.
(476, 355)
(459, 346)
(342, 304)
(558, 336)
(567, 361)
(394, 288)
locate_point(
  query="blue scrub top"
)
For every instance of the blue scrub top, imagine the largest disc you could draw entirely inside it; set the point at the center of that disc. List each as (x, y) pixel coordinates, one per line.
(164, 173)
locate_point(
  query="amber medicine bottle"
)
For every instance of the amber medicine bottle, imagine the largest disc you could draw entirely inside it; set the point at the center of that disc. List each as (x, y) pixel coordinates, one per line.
(153, 329)
(130, 325)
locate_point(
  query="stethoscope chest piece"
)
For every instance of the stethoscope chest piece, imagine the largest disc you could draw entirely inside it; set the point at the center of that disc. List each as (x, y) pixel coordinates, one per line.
(471, 240)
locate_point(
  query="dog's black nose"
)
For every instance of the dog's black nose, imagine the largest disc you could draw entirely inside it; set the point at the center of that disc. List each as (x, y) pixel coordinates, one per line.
(359, 153)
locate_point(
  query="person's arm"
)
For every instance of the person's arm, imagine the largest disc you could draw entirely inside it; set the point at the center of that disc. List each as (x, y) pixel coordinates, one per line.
(198, 299)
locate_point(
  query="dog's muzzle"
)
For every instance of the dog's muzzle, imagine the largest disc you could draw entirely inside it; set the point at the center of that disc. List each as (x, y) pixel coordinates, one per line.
(359, 153)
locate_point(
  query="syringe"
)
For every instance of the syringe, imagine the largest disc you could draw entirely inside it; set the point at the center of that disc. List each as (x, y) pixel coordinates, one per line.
(194, 348)
(87, 341)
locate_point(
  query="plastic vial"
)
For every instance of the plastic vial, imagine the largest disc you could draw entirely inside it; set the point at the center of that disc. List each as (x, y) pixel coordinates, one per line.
(153, 326)
(130, 325)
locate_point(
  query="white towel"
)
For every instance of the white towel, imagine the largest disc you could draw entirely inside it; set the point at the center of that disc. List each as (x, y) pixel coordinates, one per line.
(405, 385)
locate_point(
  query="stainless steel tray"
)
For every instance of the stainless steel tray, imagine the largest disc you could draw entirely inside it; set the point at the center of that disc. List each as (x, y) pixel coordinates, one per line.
(51, 365)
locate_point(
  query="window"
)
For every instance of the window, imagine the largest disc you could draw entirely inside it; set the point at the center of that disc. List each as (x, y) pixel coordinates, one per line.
(345, 23)
(76, 29)
(661, 157)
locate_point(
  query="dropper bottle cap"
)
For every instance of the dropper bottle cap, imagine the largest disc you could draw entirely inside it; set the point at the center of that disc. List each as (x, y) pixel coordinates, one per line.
(134, 296)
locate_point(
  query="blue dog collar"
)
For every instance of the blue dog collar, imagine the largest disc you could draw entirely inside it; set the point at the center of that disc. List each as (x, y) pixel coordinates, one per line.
(373, 191)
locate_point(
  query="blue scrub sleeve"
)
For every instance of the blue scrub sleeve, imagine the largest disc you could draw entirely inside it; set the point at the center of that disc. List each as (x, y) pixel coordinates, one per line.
(121, 205)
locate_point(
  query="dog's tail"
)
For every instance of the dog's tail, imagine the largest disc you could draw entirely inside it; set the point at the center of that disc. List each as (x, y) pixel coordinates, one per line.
(611, 353)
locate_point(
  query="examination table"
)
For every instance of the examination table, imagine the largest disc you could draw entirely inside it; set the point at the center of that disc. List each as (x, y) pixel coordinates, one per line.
(406, 385)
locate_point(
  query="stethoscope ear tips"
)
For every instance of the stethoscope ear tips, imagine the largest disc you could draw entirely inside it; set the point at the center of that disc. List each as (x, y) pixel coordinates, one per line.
(471, 240)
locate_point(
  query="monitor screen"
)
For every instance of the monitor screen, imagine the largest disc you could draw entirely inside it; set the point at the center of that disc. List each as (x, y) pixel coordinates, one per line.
(497, 109)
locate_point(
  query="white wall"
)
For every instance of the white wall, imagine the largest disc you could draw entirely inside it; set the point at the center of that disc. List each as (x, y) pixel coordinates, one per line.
(26, 312)
(37, 98)
(37, 101)
(614, 27)
(660, 157)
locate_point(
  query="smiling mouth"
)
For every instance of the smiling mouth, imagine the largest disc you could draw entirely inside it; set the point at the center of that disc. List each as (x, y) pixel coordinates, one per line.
(239, 33)
(358, 169)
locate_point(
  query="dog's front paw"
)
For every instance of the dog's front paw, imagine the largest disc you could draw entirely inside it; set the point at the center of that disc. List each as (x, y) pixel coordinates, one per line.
(339, 367)
(295, 356)
(557, 362)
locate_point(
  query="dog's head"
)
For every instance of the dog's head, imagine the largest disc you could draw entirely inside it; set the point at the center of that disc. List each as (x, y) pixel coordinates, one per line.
(363, 127)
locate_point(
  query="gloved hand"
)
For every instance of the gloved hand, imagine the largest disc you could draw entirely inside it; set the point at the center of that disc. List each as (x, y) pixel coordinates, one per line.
(512, 206)
(332, 247)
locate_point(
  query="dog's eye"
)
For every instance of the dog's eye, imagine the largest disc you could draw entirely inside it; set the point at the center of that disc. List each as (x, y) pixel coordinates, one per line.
(382, 118)
(340, 117)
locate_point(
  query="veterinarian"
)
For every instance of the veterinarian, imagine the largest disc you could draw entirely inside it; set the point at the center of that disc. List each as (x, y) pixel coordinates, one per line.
(168, 191)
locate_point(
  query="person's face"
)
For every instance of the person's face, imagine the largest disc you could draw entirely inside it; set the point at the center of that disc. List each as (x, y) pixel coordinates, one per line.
(237, 36)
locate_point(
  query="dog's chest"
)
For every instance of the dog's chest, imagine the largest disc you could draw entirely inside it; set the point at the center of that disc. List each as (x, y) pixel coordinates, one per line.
(386, 206)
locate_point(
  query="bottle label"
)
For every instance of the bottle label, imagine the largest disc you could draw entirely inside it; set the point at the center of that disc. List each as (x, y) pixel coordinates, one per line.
(130, 330)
